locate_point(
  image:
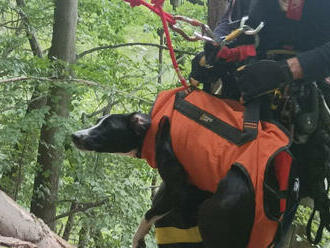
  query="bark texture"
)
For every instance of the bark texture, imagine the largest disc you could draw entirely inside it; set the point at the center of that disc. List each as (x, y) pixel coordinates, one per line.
(51, 147)
(216, 9)
(18, 228)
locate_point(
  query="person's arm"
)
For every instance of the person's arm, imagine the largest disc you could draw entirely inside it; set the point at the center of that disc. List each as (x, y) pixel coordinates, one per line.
(313, 64)
(295, 68)
(235, 10)
(265, 75)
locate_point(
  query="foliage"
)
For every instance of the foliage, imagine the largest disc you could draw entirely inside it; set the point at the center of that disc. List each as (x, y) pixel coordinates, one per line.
(127, 82)
(302, 217)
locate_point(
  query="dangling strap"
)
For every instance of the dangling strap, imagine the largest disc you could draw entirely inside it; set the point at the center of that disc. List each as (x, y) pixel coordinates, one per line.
(322, 205)
(223, 129)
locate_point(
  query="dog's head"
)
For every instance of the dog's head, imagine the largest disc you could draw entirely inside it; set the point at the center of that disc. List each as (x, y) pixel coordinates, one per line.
(117, 133)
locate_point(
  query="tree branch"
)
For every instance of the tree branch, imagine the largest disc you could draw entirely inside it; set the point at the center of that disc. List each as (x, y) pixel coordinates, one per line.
(9, 22)
(82, 207)
(107, 109)
(25, 78)
(128, 44)
(35, 47)
(82, 81)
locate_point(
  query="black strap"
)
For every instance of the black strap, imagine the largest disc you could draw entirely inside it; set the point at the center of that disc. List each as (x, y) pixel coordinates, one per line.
(221, 128)
(322, 206)
(279, 194)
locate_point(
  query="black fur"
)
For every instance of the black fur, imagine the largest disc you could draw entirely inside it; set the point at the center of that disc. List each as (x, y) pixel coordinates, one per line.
(225, 219)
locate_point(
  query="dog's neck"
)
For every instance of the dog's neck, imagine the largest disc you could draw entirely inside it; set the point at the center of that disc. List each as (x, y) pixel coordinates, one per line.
(133, 153)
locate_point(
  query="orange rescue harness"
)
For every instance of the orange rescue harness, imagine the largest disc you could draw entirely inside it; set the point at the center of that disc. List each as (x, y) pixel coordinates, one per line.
(209, 136)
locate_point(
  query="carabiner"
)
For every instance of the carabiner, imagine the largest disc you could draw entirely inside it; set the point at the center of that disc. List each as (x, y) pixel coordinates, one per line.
(247, 29)
(206, 32)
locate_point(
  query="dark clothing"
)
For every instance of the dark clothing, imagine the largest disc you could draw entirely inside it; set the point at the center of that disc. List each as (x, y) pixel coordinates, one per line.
(310, 36)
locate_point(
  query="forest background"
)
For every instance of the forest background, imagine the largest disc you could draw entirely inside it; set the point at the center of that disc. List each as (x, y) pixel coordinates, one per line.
(63, 65)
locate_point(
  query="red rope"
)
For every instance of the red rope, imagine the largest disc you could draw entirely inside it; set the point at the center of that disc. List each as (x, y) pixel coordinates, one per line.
(170, 48)
(166, 18)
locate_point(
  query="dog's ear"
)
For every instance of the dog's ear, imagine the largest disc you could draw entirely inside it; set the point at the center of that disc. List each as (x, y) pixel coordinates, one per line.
(140, 123)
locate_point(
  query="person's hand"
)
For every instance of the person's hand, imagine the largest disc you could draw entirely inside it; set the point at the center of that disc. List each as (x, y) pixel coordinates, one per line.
(237, 50)
(211, 64)
(201, 72)
(259, 78)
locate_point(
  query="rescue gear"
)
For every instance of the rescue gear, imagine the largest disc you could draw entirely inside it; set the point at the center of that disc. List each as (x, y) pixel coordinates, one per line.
(237, 54)
(237, 46)
(174, 229)
(210, 135)
(262, 77)
(207, 75)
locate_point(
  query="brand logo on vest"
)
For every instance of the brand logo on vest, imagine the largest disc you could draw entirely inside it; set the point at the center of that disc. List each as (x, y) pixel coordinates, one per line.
(204, 117)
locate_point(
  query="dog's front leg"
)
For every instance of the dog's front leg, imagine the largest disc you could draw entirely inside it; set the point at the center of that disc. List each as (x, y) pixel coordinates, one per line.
(171, 171)
(173, 189)
(159, 204)
(143, 230)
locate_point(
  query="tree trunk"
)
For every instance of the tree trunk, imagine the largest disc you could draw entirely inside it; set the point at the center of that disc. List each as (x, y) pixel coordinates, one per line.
(18, 228)
(216, 9)
(51, 149)
(13, 178)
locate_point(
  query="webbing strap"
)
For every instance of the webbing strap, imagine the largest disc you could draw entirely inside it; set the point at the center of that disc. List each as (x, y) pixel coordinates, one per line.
(221, 128)
(322, 206)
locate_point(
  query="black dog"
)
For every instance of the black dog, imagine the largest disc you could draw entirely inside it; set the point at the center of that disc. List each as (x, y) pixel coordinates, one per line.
(225, 219)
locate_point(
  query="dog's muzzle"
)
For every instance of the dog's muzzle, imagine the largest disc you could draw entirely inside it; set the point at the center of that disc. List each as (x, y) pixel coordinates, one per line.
(79, 139)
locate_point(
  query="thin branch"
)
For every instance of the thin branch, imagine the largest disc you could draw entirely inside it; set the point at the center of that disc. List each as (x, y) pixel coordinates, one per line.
(8, 22)
(34, 44)
(129, 44)
(12, 28)
(25, 78)
(10, 80)
(82, 81)
(102, 110)
(82, 207)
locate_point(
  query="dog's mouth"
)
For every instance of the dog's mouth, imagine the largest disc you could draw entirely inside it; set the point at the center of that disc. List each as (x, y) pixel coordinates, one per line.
(81, 143)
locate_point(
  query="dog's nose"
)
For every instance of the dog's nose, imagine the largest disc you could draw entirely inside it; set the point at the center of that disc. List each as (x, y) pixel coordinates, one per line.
(76, 138)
